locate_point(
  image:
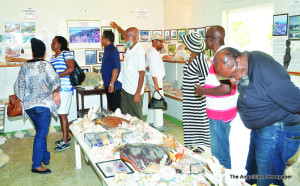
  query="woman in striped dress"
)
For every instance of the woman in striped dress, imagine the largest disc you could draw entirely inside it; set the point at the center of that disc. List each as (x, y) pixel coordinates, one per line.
(195, 122)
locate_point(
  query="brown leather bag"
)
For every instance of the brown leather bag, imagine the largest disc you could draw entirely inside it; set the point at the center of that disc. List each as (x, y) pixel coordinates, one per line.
(14, 107)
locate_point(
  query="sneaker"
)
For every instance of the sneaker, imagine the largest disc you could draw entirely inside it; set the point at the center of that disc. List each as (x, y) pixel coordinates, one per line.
(59, 141)
(162, 128)
(63, 146)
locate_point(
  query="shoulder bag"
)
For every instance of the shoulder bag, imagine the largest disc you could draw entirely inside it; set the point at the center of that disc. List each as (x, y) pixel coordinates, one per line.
(78, 76)
(14, 107)
(158, 103)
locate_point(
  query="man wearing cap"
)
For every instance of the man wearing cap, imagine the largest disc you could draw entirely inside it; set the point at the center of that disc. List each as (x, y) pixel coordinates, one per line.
(132, 73)
(155, 74)
(220, 101)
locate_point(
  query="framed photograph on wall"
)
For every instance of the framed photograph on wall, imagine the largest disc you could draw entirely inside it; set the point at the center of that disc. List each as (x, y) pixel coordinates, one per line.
(167, 36)
(201, 31)
(90, 57)
(171, 49)
(294, 28)
(72, 52)
(86, 68)
(107, 28)
(28, 27)
(121, 39)
(121, 48)
(99, 56)
(84, 33)
(206, 28)
(173, 34)
(96, 69)
(280, 24)
(190, 30)
(145, 35)
(157, 32)
(112, 167)
(12, 27)
(181, 32)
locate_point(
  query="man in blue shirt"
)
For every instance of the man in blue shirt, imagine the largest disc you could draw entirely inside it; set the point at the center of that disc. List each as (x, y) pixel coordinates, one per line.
(269, 105)
(110, 71)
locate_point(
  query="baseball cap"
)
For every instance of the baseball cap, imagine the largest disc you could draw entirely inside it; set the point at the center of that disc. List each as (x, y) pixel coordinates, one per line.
(157, 36)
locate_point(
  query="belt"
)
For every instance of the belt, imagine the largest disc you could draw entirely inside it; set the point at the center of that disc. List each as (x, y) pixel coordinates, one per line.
(279, 124)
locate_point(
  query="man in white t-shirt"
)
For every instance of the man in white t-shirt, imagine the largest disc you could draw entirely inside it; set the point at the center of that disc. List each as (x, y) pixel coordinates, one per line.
(155, 74)
(132, 73)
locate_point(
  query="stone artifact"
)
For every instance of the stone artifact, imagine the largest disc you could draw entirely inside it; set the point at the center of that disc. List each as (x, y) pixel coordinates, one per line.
(19, 134)
(140, 155)
(287, 55)
(4, 158)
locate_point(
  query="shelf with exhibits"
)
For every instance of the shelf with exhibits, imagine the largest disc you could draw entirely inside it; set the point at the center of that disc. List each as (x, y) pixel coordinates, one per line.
(154, 157)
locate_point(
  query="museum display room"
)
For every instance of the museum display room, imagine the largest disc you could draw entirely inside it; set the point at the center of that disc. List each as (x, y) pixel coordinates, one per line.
(105, 140)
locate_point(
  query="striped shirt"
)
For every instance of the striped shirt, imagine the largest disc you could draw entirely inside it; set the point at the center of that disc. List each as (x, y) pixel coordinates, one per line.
(60, 65)
(219, 107)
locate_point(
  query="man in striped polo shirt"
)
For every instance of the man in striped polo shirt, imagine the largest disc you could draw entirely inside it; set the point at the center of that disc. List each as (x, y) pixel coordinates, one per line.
(220, 101)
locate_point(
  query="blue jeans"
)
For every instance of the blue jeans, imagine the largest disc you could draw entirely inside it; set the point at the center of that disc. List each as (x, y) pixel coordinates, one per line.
(40, 117)
(219, 138)
(270, 148)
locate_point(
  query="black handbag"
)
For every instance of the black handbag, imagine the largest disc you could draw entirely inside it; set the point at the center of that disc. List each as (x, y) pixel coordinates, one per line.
(157, 103)
(78, 76)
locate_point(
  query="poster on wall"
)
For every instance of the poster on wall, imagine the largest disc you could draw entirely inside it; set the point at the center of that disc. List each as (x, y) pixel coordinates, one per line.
(84, 33)
(12, 27)
(28, 27)
(294, 31)
(280, 23)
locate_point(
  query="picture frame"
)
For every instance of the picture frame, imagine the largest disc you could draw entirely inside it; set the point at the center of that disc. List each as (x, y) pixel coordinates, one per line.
(280, 24)
(180, 33)
(86, 68)
(201, 31)
(171, 49)
(157, 32)
(100, 54)
(72, 52)
(107, 28)
(173, 34)
(167, 36)
(121, 39)
(191, 30)
(28, 27)
(90, 57)
(112, 167)
(206, 28)
(84, 33)
(294, 27)
(145, 35)
(96, 68)
(14, 27)
(121, 48)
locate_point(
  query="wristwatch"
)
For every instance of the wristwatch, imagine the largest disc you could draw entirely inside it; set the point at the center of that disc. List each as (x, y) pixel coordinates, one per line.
(111, 84)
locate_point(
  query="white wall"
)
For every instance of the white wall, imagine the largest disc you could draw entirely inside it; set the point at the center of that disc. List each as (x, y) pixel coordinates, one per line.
(52, 20)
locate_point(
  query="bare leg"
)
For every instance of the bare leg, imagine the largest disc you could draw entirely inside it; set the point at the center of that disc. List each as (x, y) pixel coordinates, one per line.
(64, 125)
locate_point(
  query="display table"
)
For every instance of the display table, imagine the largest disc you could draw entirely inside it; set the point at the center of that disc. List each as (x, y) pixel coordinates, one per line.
(82, 92)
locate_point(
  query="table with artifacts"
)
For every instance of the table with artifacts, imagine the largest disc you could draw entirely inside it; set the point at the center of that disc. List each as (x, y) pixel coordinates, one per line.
(124, 150)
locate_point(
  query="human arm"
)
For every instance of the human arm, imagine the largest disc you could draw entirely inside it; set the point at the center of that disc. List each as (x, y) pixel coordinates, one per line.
(223, 89)
(70, 68)
(139, 88)
(114, 76)
(56, 96)
(20, 84)
(116, 26)
(156, 87)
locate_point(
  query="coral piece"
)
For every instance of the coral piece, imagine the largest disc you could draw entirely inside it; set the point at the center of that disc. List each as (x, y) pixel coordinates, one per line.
(4, 158)
(170, 141)
(8, 136)
(93, 112)
(153, 168)
(112, 121)
(31, 132)
(19, 134)
(167, 173)
(140, 155)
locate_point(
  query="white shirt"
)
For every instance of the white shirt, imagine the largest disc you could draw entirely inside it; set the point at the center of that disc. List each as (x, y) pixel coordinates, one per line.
(133, 63)
(155, 63)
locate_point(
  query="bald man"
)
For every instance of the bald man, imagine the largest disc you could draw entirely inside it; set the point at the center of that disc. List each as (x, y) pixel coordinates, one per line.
(269, 105)
(220, 101)
(132, 73)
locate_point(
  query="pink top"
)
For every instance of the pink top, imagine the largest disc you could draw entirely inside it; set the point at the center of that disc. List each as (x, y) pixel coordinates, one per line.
(219, 107)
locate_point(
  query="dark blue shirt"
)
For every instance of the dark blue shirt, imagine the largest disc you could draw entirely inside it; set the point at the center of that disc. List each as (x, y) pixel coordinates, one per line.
(270, 96)
(110, 61)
